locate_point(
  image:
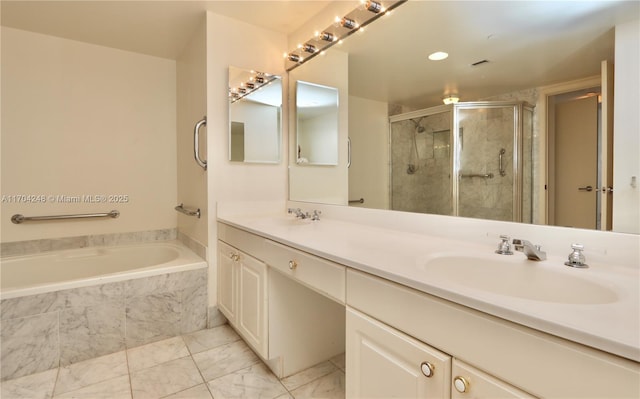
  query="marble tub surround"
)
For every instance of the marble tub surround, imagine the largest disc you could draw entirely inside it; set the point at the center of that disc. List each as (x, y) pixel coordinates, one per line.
(52, 329)
(176, 368)
(395, 245)
(99, 240)
(192, 244)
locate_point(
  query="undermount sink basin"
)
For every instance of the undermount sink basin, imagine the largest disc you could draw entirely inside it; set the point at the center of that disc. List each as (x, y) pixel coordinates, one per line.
(519, 279)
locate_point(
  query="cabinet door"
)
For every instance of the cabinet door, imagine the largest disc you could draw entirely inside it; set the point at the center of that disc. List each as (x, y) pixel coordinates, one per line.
(252, 302)
(385, 363)
(469, 382)
(227, 281)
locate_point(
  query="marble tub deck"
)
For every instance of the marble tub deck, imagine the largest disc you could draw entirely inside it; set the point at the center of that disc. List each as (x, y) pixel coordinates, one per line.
(213, 363)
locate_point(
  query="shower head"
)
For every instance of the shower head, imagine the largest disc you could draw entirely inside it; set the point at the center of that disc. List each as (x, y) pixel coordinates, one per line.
(419, 128)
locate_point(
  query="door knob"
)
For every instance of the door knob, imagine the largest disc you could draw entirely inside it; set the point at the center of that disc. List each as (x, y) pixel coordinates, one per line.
(587, 188)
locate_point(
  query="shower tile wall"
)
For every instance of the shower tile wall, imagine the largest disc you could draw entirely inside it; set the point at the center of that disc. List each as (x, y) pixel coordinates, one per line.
(44, 331)
(428, 188)
(484, 132)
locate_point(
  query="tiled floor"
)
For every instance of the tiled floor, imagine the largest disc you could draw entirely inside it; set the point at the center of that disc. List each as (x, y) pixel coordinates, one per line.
(212, 363)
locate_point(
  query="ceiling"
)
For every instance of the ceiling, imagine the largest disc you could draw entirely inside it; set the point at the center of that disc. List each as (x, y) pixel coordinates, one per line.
(159, 28)
(526, 43)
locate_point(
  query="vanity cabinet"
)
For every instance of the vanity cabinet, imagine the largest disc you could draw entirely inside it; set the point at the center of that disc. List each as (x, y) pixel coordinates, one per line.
(496, 358)
(242, 295)
(382, 362)
(287, 304)
(469, 382)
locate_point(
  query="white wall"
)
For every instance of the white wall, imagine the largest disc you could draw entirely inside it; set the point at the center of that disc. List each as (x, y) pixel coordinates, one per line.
(369, 171)
(192, 106)
(262, 123)
(81, 119)
(232, 42)
(626, 125)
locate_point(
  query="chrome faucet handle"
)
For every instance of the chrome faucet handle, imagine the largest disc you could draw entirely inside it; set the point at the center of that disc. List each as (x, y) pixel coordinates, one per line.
(316, 215)
(504, 248)
(576, 257)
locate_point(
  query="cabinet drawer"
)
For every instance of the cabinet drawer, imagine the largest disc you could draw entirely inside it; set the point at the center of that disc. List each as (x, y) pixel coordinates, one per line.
(326, 277)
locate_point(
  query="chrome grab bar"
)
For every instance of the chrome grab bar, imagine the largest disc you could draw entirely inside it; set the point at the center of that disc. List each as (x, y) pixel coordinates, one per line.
(484, 176)
(358, 201)
(189, 212)
(500, 166)
(196, 142)
(18, 218)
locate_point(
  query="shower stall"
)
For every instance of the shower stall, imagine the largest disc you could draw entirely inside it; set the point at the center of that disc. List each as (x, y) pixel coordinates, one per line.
(470, 159)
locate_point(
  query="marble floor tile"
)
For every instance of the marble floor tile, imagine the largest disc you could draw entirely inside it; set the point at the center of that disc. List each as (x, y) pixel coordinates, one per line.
(165, 379)
(225, 359)
(209, 364)
(328, 387)
(339, 361)
(115, 388)
(34, 386)
(305, 376)
(203, 340)
(198, 392)
(255, 381)
(153, 354)
(90, 372)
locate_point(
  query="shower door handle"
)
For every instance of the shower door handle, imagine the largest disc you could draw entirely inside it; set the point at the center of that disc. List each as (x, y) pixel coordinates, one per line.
(500, 166)
(348, 152)
(196, 142)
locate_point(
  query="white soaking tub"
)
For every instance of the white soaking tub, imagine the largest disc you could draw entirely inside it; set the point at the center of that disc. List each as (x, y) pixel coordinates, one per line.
(59, 270)
(62, 307)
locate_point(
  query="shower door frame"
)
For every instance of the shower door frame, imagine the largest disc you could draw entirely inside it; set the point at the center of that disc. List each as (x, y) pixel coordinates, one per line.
(438, 109)
(517, 166)
(454, 151)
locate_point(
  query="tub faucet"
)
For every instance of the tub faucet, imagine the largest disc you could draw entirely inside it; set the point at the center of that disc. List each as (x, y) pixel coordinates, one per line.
(533, 252)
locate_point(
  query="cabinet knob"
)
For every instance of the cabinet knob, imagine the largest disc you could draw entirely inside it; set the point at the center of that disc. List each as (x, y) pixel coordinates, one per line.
(234, 257)
(427, 369)
(461, 384)
(292, 264)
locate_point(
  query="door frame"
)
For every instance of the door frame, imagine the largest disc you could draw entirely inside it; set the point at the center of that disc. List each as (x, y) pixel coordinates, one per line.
(545, 179)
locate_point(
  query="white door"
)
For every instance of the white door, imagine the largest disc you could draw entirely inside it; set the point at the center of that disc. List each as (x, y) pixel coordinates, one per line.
(576, 162)
(385, 363)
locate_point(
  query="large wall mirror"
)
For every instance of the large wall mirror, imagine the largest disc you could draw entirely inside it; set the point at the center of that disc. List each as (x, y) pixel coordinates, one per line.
(316, 124)
(255, 116)
(492, 150)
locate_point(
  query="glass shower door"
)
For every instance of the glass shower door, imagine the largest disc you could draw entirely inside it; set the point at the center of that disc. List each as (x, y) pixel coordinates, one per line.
(486, 163)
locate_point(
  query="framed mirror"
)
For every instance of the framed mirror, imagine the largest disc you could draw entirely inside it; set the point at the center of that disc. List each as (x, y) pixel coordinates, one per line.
(316, 124)
(255, 116)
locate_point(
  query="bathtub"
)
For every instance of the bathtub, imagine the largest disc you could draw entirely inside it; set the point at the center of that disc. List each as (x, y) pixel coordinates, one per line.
(63, 307)
(59, 270)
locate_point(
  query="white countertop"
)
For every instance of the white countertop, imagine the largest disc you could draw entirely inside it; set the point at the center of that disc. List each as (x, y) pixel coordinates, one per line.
(399, 256)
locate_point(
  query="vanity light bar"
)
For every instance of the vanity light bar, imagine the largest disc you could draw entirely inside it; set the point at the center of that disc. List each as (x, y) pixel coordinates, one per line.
(354, 21)
(257, 81)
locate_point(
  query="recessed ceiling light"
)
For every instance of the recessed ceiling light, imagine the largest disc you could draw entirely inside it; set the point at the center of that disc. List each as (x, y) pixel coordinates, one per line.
(438, 56)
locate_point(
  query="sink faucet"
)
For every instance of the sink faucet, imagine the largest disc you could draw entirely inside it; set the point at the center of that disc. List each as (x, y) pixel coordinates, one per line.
(298, 212)
(532, 252)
